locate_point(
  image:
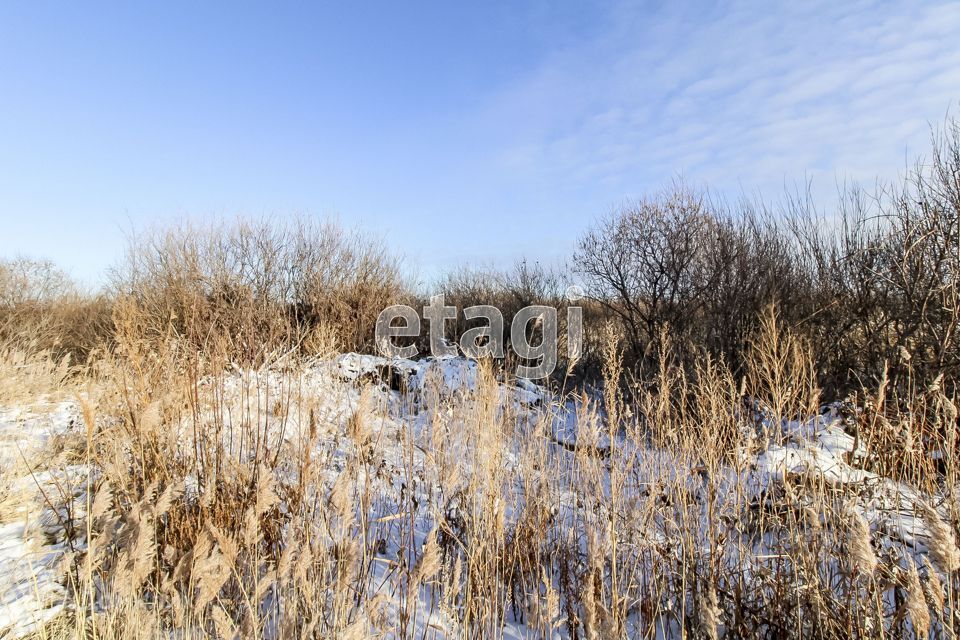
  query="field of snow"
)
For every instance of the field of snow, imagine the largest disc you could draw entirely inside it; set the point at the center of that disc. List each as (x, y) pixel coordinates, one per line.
(45, 488)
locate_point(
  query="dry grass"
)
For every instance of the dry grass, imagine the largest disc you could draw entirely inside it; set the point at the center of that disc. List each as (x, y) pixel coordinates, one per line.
(29, 374)
(238, 504)
(259, 285)
(235, 486)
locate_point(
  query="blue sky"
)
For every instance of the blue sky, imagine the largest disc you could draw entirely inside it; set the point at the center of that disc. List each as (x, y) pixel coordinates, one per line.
(457, 131)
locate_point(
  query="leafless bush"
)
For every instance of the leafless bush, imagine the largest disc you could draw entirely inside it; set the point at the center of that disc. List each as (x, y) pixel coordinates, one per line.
(510, 290)
(752, 264)
(885, 271)
(40, 306)
(25, 281)
(647, 264)
(681, 266)
(263, 286)
(874, 283)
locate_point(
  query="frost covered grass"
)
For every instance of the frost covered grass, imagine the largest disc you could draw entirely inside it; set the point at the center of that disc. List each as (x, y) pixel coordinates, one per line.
(351, 496)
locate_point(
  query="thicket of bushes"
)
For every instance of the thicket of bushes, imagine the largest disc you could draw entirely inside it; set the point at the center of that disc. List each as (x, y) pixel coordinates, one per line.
(873, 285)
(41, 308)
(251, 288)
(262, 287)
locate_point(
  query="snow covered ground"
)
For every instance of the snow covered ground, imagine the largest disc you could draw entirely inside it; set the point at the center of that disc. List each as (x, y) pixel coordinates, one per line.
(37, 483)
(43, 488)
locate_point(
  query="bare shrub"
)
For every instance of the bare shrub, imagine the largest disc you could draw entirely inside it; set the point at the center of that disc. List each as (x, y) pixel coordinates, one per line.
(24, 281)
(510, 290)
(885, 271)
(646, 263)
(260, 285)
(752, 264)
(874, 284)
(40, 306)
(696, 271)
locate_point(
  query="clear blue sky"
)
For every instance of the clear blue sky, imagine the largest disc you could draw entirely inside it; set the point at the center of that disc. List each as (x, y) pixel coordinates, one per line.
(458, 131)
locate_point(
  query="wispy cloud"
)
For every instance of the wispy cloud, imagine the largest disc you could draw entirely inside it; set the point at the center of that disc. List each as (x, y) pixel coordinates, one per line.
(737, 94)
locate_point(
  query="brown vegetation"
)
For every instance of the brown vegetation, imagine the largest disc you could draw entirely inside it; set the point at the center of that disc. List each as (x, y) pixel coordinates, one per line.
(235, 487)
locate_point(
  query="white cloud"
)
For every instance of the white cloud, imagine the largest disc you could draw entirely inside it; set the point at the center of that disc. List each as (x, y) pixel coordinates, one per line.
(738, 94)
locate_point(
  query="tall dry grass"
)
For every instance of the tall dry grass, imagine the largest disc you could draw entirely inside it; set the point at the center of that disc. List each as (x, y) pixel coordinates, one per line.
(260, 285)
(238, 487)
(42, 309)
(29, 374)
(278, 501)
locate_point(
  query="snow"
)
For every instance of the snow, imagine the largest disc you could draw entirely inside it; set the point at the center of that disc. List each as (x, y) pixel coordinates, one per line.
(451, 375)
(821, 447)
(32, 544)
